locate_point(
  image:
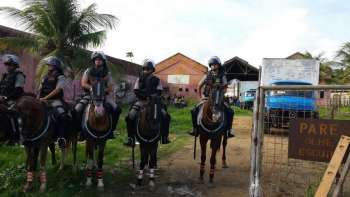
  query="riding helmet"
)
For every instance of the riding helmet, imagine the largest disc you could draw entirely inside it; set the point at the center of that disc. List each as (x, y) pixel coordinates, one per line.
(10, 59)
(148, 64)
(214, 60)
(98, 54)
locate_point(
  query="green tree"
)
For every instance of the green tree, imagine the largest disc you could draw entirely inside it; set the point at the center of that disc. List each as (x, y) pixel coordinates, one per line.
(344, 54)
(326, 72)
(61, 28)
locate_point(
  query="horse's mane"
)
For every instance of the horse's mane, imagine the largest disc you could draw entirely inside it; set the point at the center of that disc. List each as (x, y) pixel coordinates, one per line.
(32, 108)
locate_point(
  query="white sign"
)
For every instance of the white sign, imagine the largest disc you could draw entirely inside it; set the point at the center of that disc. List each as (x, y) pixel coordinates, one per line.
(306, 70)
(179, 79)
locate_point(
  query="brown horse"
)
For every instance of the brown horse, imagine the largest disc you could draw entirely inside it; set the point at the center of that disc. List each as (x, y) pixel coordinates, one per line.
(97, 128)
(37, 134)
(212, 124)
(148, 134)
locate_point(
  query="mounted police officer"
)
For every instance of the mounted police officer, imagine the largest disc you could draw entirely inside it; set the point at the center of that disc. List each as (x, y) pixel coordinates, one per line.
(147, 85)
(51, 91)
(215, 74)
(11, 86)
(98, 70)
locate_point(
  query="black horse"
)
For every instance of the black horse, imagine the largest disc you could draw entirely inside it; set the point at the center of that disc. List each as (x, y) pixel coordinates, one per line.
(148, 134)
(7, 121)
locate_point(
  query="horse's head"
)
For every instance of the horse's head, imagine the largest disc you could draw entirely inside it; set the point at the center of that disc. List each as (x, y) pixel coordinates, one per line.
(149, 119)
(32, 115)
(98, 96)
(214, 105)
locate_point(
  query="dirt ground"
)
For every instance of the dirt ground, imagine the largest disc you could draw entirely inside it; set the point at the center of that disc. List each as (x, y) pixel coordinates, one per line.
(178, 174)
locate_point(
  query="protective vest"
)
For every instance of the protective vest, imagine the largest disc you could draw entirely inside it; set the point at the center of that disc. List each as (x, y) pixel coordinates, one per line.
(8, 82)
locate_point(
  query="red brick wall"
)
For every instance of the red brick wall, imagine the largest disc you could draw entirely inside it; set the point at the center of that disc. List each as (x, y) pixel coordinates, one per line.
(181, 65)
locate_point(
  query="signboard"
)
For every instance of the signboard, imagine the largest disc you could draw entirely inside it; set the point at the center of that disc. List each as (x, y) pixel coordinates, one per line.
(179, 79)
(274, 69)
(315, 140)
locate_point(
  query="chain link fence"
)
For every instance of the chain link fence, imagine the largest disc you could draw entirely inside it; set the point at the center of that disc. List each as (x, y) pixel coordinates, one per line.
(273, 173)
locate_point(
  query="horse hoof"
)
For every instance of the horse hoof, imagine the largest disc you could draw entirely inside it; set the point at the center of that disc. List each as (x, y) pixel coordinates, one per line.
(88, 182)
(151, 183)
(27, 187)
(100, 183)
(42, 188)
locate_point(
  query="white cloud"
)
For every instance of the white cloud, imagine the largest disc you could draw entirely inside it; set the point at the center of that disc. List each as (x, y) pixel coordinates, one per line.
(251, 29)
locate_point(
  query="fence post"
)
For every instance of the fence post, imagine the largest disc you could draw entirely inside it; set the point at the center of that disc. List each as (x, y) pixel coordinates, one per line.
(257, 141)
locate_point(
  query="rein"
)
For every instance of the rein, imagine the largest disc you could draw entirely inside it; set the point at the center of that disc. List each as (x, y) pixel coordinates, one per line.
(138, 124)
(87, 129)
(46, 128)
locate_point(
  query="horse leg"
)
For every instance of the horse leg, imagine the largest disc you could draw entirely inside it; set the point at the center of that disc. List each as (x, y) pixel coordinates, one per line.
(90, 162)
(144, 161)
(30, 169)
(99, 172)
(203, 143)
(224, 144)
(152, 163)
(74, 150)
(53, 153)
(63, 157)
(215, 144)
(43, 157)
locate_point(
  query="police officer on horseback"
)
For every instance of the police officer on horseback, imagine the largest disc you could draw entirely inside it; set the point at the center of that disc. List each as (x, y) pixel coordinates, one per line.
(216, 74)
(51, 92)
(11, 86)
(147, 86)
(98, 70)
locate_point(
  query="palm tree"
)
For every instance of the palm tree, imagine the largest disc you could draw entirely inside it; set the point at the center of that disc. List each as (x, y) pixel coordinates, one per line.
(326, 71)
(344, 54)
(61, 28)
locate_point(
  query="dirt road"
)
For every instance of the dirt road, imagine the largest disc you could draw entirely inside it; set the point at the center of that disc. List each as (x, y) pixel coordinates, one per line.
(178, 174)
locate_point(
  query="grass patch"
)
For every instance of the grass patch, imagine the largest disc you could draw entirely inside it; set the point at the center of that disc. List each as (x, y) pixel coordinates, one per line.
(343, 113)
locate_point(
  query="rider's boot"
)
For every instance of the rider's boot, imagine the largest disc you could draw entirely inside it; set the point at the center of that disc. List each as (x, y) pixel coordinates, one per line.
(194, 131)
(165, 128)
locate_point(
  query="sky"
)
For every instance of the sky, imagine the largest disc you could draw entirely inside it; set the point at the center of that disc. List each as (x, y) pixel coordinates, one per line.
(249, 29)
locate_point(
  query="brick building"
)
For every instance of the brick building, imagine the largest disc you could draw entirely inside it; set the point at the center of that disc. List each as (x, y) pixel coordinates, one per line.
(180, 75)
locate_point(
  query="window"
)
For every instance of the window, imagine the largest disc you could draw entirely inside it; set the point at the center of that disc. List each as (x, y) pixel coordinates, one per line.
(180, 89)
(186, 89)
(322, 94)
(195, 90)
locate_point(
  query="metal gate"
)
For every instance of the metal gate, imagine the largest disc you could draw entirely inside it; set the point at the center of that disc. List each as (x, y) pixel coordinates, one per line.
(272, 172)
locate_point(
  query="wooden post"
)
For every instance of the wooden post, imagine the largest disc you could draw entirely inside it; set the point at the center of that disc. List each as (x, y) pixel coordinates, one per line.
(338, 190)
(333, 167)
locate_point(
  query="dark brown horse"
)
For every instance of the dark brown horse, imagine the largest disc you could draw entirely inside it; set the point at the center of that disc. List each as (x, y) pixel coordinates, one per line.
(212, 122)
(37, 134)
(148, 134)
(97, 127)
(6, 126)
